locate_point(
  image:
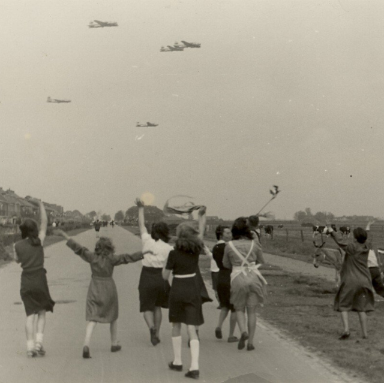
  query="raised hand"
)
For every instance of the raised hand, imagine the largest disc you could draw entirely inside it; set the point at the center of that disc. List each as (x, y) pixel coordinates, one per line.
(202, 210)
(139, 202)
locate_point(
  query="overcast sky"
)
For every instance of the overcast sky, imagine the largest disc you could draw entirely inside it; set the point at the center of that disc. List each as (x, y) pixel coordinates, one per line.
(280, 92)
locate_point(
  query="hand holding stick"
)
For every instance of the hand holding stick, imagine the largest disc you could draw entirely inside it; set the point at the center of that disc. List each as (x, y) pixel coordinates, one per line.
(274, 193)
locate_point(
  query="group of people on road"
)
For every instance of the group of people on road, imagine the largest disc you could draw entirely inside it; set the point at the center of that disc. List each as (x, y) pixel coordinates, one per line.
(170, 278)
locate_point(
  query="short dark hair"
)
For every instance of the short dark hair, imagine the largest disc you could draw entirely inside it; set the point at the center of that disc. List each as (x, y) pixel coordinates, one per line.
(360, 234)
(30, 229)
(220, 230)
(160, 230)
(240, 228)
(254, 220)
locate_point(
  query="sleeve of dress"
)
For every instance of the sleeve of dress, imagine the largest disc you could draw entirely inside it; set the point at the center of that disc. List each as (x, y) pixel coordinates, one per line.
(226, 260)
(81, 251)
(123, 259)
(170, 261)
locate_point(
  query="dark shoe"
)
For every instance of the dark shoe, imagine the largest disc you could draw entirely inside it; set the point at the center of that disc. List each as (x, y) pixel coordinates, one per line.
(31, 354)
(86, 354)
(115, 348)
(345, 335)
(250, 347)
(194, 374)
(175, 367)
(233, 339)
(218, 333)
(154, 338)
(39, 349)
(244, 337)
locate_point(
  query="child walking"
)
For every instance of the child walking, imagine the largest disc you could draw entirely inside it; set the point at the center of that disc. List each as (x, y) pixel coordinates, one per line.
(34, 290)
(102, 300)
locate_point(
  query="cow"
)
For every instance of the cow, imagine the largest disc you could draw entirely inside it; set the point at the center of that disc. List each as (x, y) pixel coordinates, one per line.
(345, 230)
(334, 257)
(318, 229)
(280, 226)
(268, 229)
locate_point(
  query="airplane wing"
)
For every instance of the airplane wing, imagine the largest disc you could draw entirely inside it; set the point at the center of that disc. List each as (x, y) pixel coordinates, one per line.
(102, 24)
(170, 47)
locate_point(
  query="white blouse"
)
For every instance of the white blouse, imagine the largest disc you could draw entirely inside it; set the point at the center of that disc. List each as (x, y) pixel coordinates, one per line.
(159, 249)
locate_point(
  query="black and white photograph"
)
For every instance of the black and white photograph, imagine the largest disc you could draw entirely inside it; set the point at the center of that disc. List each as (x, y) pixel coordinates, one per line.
(192, 190)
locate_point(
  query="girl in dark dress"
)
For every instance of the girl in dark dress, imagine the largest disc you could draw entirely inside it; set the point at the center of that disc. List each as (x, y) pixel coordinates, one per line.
(102, 300)
(355, 292)
(223, 235)
(185, 302)
(34, 290)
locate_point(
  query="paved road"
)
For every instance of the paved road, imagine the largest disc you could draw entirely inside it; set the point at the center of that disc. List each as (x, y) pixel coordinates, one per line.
(274, 360)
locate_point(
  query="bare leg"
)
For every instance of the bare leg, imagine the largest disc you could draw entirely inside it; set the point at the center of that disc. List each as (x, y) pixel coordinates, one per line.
(113, 330)
(232, 323)
(240, 315)
(41, 322)
(157, 319)
(176, 329)
(251, 323)
(149, 319)
(88, 332)
(363, 323)
(223, 314)
(30, 327)
(344, 319)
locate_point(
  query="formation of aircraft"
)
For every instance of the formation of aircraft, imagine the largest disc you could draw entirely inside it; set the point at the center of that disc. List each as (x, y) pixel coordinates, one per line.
(191, 45)
(146, 125)
(101, 24)
(57, 101)
(170, 48)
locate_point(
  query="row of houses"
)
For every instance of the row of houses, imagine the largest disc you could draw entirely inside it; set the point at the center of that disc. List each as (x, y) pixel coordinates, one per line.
(14, 208)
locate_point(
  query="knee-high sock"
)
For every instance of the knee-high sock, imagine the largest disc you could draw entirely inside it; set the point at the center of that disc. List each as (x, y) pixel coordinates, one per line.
(30, 345)
(39, 338)
(176, 343)
(195, 347)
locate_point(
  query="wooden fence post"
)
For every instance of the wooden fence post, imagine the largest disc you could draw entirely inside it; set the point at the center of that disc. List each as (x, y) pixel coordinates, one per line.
(302, 235)
(286, 231)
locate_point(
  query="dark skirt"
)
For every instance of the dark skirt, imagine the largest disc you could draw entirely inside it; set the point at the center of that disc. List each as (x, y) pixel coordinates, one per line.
(153, 290)
(185, 302)
(352, 297)
(35, 293)
(203, 290)
(224, 289)
(102, 300)
(214, 276)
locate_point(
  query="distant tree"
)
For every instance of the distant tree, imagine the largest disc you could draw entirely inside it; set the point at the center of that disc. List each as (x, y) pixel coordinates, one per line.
(152, 213)
(320, 216)
(308, 212)
(300, 215)
(119, 216)
(91, 214)
(105, 217)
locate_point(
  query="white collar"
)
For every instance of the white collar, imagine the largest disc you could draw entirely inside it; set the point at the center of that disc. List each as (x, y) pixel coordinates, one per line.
(220, 241)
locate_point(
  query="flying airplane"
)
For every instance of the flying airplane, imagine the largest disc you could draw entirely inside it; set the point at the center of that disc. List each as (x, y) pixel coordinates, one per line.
(191, 45)
(101, 24)
(147, 125)
(175, 47)
(54, 100)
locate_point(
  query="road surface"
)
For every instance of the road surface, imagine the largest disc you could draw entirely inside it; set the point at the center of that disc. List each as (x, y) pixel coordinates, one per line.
(275, 360)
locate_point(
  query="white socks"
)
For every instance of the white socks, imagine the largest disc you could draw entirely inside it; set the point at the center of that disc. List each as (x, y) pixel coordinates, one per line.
(39, 337)
(176, 343)
(195, 346)
(30, 345)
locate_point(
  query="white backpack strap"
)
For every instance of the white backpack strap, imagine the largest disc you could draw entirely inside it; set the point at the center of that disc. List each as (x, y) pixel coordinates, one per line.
(241, 256)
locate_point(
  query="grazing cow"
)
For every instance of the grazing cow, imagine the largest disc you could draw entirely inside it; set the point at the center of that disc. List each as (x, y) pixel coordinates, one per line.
(280, 226)
(268, 229)
(345, 230)
(332, 257)
(318, 229)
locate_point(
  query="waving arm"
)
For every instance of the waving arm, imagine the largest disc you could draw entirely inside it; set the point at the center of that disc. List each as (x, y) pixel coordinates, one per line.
(140, 204)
